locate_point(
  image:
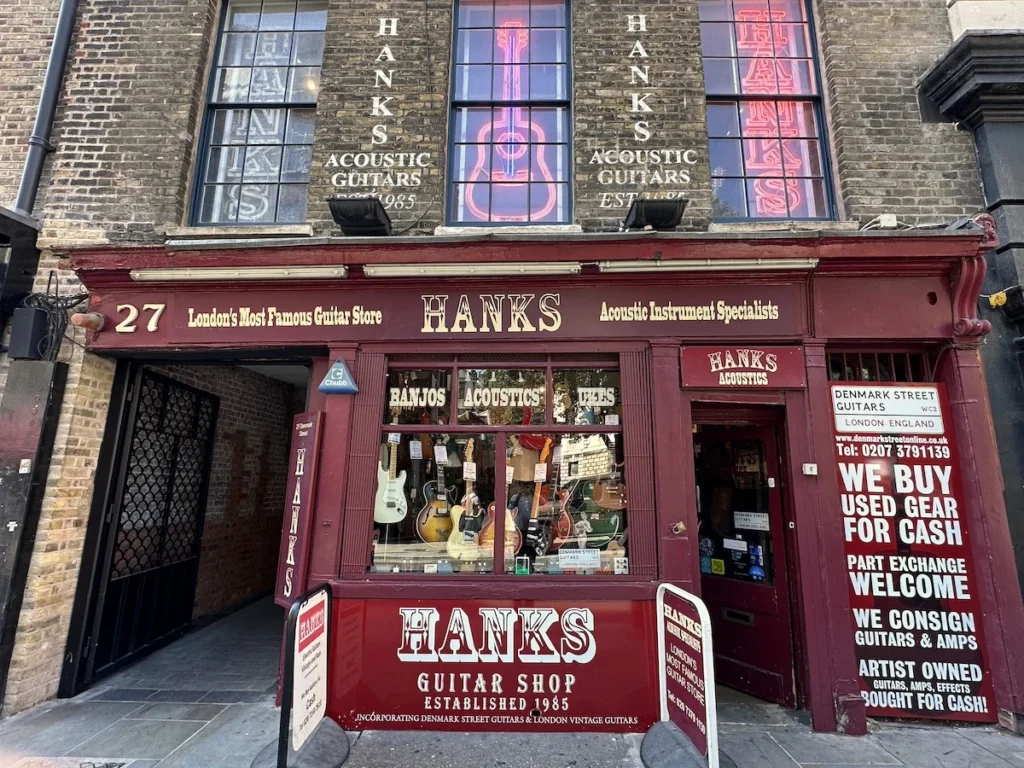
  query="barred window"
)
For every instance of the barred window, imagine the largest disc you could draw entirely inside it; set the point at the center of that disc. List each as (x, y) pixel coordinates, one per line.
(510, 113)
(257, 152)
(764, 110)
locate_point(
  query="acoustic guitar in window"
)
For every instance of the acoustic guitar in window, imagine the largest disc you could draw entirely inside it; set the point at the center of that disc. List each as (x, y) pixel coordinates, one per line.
(463, 542)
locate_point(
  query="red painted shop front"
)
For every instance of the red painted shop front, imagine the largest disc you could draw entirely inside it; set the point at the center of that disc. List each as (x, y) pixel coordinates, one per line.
(528, 456)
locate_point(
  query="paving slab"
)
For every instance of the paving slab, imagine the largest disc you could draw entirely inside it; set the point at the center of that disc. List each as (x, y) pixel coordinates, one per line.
(60, 728)
(176, 711)
(230, 740)
(832, 749)
(138, 739)
(755, 749)
(938, 749)
(1008, 746)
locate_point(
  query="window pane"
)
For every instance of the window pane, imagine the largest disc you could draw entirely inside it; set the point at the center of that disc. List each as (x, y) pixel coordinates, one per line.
(720, 76)
(547, 13)
(219, 204)
(789, 10)
(273, 49)
(295, 166)
(418, 397)
(758, 76)
(470, 162)
(730, 199)
(791, 40)
(225, 164)
(232, 85)
(509, 162)
(469, 121)
(806, 198)
(717, 40)
(796, 76)
(474, 46)
(547, 45)
(723, 120)
(766, 198)
(750, 10)
(549, 162)
(548, 81)
(587, 396)
(291, 205)
(268, 84)
(726, 157)
(301, 123)
(258, 203)
(801, 157)
(567, 498)
(759, 118)
(304, 84)
(550, 124)
(510, 83)
(433, 509)
(510, 203)
(548, 202)
(476, 13)
(266, 126)
(507, 13)
(733, 509)
(278, 14)
(243, 15)
(262, 163)
(495, 396)
(230, 126)
(473, 83)
(715, 10)
(312, 14)
(237, 50)
(763, 157)
(472, 203)
(796, 118)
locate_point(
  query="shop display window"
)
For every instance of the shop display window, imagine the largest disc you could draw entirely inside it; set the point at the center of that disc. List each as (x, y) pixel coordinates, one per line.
(530, 480)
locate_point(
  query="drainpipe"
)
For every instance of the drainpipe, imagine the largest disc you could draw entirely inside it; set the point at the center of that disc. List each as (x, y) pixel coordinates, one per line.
(39, 141)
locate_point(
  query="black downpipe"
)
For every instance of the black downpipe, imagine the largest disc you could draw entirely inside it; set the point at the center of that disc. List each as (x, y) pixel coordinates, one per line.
(39, 141)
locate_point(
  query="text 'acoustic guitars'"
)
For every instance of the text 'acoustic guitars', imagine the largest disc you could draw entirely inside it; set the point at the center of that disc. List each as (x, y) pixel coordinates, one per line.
(390, 505)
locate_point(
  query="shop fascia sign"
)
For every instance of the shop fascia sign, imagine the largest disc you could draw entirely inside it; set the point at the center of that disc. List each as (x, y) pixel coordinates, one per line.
(743, 366)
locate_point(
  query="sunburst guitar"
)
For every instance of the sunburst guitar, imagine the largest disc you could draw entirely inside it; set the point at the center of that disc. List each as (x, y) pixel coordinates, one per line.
(464, 545)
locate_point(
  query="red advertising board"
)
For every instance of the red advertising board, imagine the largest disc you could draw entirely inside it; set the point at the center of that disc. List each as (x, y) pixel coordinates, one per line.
(758, 367)
(916, 615)
(494, 665)
(293, 560)
(238, 316)
(687, 669)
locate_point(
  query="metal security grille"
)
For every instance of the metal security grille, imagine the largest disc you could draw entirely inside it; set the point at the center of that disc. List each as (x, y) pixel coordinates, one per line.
(906, 367)
(155, 525)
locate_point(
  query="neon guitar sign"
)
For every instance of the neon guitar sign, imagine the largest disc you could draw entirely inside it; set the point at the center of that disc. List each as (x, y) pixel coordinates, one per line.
(510, 137)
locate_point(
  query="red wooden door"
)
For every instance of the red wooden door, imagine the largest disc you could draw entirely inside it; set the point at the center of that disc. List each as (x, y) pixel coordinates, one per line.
(743, 559)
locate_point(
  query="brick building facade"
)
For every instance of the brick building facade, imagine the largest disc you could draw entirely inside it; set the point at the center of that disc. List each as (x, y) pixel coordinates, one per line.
(122, 179)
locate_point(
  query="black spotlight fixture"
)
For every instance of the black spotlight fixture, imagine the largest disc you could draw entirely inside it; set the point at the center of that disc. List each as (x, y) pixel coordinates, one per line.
(660, 215)
(360, 216)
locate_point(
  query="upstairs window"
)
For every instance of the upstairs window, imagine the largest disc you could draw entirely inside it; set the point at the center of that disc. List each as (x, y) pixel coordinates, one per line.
(510, 122)
(764, 110)
(257, 150)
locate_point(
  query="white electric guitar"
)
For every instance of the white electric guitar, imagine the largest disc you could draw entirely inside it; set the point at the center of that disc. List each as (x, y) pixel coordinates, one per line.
(390, 505)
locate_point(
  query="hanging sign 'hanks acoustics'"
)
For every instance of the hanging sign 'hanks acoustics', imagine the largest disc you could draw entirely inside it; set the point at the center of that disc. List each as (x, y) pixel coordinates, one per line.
(913, 593)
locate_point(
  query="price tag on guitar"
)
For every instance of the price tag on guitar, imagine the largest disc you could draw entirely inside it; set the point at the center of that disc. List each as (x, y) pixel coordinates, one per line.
(394, 438)
(469, 470)
(415, 449)
(556, 455)
(441, 454)
(540, 473)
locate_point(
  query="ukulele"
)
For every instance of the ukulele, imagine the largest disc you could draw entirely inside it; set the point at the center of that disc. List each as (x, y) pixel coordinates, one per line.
(464, 545)
(390, 505)
(512, 136)
(539, 534)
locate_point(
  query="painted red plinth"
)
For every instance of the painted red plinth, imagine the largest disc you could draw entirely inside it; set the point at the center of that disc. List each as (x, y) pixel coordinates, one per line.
(917, 618)
(494, 665)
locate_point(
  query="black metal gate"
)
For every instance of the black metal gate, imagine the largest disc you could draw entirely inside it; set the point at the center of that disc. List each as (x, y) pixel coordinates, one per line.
(146, 582)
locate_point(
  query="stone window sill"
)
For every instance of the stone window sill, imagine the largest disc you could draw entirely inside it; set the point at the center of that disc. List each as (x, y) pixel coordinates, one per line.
(221, 233)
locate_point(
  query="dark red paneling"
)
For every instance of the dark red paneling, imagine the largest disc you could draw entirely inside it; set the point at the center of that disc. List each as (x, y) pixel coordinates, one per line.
(636, 417)
(1003, 614)
(328, 518)
(889, 307)
(673, 478)
(363, 459)
(831, 664)
(315, 399)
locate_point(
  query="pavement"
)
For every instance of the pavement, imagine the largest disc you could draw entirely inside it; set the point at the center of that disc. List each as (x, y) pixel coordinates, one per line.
(207, 701)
